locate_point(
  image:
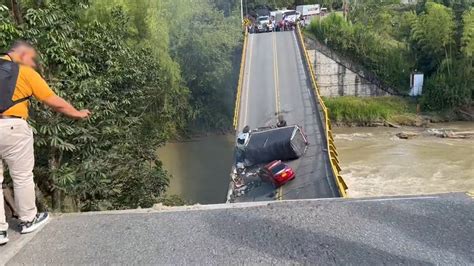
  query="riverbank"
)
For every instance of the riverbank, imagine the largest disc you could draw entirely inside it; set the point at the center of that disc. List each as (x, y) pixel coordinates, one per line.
(376, 162)
(385, 111)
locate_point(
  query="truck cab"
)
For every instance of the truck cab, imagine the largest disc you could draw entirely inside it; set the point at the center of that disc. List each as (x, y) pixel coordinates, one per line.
(264, 24)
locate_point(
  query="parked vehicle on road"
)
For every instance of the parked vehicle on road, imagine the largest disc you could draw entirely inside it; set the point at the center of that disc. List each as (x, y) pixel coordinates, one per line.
(264, 24)
(291, 16)
(309, 10)
(260, 28)
(264, 145)
(260, 154)
(277, 173)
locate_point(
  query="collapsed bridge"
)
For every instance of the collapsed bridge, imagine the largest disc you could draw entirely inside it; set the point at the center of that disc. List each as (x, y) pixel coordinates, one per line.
(277, 80)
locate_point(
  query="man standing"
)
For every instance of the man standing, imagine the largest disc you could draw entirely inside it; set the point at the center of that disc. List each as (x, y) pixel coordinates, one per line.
(18, 83)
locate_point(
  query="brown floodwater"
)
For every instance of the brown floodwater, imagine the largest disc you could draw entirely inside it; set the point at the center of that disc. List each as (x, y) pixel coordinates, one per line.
(377, 163)
(200, 168)
(374, 161)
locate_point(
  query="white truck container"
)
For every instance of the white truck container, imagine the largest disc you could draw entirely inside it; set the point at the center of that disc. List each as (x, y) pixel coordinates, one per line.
(309, 10)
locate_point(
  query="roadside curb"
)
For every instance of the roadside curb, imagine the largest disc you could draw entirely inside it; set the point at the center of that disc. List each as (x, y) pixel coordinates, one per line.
(158, 208)
(12, 248)
(238, 95)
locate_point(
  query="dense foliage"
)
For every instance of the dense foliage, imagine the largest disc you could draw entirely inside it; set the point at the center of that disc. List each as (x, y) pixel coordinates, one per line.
(393, 40)
(204, 44)
(146, 72)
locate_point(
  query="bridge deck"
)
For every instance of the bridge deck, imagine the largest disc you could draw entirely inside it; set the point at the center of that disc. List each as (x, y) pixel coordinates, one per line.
(429, 230)
(276, 81)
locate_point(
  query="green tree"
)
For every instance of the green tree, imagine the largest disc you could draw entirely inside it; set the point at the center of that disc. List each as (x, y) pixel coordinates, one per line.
(468, 34)
(203, 43)
(393, 40)
(433, 36)
(381, 55)
(109, 161)
(148, 70)
(207, 46)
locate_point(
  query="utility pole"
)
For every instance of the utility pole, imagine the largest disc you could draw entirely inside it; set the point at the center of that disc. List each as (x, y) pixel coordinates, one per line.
(246, 8)
(242, 11)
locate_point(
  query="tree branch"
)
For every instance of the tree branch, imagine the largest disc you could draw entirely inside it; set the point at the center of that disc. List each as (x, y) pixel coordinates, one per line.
(16, 9)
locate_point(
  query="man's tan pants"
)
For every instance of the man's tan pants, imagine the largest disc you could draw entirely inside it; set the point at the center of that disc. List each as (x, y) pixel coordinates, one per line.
(16, 150)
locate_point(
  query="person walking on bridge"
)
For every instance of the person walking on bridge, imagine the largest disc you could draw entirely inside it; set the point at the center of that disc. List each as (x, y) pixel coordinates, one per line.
(18, 83)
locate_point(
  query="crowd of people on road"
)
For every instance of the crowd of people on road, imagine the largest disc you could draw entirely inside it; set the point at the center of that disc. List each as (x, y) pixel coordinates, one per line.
(274, 24)
(285, 25)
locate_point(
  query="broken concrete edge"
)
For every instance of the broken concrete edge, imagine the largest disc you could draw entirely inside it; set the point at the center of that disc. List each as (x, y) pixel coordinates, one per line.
(159, 208)
(10, 249)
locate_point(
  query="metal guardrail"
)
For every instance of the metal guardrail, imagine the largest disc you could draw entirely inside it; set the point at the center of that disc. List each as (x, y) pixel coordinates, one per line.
(332, 152)
(241, 80)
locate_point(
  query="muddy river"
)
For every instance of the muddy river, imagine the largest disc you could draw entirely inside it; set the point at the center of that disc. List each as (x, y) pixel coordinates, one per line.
(374, 161)
(200, 168)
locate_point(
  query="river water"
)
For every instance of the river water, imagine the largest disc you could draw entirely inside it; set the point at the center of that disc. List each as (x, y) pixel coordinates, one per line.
(200, 168)
(377, 163)
(374, 161)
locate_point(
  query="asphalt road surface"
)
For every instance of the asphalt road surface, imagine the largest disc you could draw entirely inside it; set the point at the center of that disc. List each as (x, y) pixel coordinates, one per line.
(431, 230)
(276, 82)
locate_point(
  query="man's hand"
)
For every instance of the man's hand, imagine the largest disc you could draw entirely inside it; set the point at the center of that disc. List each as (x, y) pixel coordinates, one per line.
(83, 114)
(62, 106)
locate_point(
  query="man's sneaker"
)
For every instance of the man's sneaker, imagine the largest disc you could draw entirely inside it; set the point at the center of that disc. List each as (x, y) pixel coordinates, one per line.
(39, 220)
(3, 237)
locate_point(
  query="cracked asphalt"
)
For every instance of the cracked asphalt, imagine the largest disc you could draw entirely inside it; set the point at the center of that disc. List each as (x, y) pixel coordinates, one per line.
(424, 230)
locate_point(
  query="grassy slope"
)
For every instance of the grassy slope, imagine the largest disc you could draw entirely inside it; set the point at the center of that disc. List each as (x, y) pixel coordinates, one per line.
(368, 111)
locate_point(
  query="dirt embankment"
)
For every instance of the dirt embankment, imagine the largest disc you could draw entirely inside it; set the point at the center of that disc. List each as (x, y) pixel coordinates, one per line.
(412, 120)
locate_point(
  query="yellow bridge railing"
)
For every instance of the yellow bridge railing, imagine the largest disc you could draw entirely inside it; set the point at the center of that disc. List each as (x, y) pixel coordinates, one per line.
(332, 152)
(241, 80)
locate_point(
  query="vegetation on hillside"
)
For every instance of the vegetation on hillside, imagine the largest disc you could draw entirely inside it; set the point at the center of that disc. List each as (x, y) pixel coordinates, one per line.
(147, 70)
(360, 111)
(393, 40)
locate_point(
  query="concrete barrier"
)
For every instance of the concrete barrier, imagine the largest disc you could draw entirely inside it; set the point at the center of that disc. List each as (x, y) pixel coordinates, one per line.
(241, 80)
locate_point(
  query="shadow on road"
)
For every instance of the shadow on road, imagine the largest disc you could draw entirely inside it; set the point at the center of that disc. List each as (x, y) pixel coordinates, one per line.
(283, 240)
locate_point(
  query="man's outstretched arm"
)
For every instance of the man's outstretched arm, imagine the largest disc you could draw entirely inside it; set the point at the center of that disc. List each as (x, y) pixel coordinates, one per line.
(62, 106)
